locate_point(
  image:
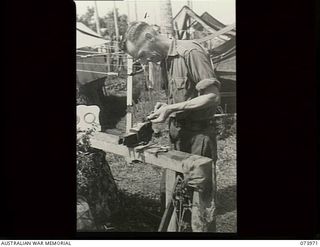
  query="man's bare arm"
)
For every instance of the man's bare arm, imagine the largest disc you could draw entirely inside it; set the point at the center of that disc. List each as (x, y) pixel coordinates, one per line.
(209, 97)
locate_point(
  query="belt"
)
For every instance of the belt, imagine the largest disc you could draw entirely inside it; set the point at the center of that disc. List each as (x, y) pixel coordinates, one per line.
(192, 124)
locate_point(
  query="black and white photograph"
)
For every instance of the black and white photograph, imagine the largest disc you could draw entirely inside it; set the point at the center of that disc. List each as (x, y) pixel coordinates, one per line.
(156, 116)
(152, 120)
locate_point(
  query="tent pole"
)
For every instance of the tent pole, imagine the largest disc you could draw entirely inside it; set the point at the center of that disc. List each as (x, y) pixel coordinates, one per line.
(135, 10)
(129, 93)
(115, 15)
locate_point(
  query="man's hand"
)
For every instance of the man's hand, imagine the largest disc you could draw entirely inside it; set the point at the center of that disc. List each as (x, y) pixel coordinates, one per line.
(161, 114)
(159, 105)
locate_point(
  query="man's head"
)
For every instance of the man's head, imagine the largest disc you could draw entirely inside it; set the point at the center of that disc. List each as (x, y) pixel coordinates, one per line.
(144, 43)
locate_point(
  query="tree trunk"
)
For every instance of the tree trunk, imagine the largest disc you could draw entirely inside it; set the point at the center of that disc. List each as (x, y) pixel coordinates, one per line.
(166, 20)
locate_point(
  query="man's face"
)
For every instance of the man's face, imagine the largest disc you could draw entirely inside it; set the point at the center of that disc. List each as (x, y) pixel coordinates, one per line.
(144, 50)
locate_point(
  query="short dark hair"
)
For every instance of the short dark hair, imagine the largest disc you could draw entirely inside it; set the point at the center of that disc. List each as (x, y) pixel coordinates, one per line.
(135, 29)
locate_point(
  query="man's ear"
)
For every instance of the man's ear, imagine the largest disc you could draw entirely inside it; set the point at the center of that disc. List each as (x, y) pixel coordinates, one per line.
(149, 36)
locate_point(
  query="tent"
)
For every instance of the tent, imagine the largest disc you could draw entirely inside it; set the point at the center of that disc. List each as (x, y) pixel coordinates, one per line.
(89, 67)
(186, 19)
(87, 37)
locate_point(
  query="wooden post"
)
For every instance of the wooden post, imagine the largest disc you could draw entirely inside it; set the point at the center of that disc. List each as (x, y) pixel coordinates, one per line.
(97, 17)
(129, 93)
(128, 8)
(166, 20)
(172, 159)
(170, 184)
(115, 15)
(188, 25)
(135, 10)
(109, 57)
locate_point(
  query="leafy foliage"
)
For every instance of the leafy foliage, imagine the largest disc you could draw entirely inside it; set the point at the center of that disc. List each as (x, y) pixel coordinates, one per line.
(183, 205)
(87, 18)
(106, 22)
(226, 127)
(85, 166)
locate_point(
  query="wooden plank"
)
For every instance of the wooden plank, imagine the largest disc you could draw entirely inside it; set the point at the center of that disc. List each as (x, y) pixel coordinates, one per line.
(170, 182)
(198, 19)
(217, 33)
(170, 160)
(110, 138)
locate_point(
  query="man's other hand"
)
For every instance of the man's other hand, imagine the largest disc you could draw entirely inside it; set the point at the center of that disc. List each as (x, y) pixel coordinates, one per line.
(159, 105)
(161, 114)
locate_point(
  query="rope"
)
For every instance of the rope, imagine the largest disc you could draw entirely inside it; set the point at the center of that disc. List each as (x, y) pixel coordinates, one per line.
(97, 72)
(102, 64)
(101, 54)
(97, 52)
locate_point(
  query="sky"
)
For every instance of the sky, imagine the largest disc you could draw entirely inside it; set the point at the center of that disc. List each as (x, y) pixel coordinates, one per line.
(222, 10)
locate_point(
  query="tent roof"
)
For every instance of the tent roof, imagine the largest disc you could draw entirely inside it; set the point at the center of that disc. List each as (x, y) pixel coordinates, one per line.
(206, 20)
(210, 20)
(87, 37)
(186, 11)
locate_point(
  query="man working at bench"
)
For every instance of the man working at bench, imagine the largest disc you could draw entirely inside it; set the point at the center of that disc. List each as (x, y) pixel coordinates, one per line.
(192, 90)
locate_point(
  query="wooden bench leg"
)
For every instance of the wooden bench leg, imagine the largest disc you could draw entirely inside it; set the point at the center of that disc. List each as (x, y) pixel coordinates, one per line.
(170, 184)
(168, 221)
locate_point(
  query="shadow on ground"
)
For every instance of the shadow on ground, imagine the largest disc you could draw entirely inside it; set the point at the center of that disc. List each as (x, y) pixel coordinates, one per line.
(113, 109)
(142, 214)
(137, 214)
(226, 199)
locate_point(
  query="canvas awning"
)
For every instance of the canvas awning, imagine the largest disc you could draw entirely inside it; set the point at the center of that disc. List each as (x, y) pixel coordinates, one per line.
(87, 37)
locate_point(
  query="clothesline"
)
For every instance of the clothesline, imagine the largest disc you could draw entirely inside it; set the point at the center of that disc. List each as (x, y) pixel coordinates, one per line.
(97, 52)
(97, 55)
(97, 72)
(134, 65)
(102, 54)
(192, 31)
(102, 64)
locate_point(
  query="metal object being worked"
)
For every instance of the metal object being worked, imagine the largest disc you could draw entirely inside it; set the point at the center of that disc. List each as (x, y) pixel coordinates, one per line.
(140, 134)
(162, 149)
(141, 148)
